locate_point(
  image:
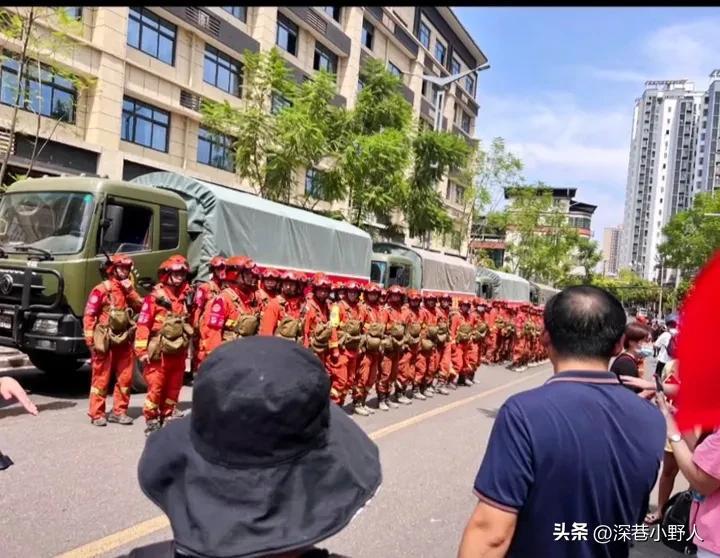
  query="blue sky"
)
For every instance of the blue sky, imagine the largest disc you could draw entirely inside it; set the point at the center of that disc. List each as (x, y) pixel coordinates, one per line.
(563, 82)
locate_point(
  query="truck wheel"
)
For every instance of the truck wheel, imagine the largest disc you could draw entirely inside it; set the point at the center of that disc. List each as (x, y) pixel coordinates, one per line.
(52, 363)
(139, 385)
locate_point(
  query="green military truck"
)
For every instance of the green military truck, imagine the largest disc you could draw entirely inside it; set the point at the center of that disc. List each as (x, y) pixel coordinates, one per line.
(55, 234)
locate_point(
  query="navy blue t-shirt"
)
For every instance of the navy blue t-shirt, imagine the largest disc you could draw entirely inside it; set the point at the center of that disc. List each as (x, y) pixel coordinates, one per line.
(580, 449)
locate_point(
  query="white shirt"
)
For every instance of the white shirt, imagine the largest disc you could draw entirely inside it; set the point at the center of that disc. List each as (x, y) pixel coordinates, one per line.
(662, 343)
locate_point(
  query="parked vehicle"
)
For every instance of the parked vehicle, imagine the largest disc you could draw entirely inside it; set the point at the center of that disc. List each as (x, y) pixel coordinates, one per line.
(55, 234)
(498, 285)
(540, 294)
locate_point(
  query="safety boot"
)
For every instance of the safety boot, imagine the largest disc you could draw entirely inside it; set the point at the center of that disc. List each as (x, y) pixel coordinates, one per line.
(442, 390)
(417, 394)
(151, 426)
(402, 398)
(120, 419)
(359, 409)
(383, 403)
(100, 421)
(392, 400)
(368, 409)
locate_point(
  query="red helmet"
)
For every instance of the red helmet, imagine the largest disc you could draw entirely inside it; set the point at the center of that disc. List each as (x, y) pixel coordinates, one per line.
(174, 263)
(234, 266)
(338, 286)
(271, 273)
(352, 286)
(118, 260)
(292, 276)
(321, 281)
(218, 262)
(412, 294)
(430, 296)
(372, 288)
(445, 296)
(465, 301)
(396, 289)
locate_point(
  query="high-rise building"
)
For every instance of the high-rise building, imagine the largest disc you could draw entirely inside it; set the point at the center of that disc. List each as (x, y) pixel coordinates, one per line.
(152, 67)
(707, 154)
(610, 249)
(666, 127)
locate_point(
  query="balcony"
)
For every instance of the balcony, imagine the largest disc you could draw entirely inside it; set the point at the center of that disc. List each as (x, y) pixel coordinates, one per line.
(319, 22)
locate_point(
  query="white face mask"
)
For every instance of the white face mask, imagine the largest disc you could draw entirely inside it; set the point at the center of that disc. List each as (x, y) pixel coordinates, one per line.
(645, 352)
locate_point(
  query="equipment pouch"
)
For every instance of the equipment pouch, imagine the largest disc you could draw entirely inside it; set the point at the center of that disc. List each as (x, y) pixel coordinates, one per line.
(101, 339)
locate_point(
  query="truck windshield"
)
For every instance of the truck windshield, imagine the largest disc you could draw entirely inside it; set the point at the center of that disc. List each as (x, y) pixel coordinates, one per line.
(56, 222)
(377, 272)
(399, 275)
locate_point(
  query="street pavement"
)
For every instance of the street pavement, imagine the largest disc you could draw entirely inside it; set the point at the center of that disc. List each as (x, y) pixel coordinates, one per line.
(73, 488)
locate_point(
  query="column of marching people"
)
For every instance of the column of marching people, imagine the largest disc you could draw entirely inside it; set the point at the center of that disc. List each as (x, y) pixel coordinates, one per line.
(404, 344)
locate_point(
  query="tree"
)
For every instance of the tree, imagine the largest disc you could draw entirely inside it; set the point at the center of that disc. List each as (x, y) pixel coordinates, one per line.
(272, 144)
(692, 236)
(42, 36)
(587, 256)
(541, 241)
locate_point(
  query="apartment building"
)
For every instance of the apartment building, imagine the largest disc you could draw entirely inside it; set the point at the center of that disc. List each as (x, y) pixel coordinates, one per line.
(666, 129)
(610, 248)
(707, 154)
(152, 66)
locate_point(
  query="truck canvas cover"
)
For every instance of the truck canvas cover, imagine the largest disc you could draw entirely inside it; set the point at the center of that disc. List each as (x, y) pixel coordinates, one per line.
(506, 286)
(438, 272)
(229, 222)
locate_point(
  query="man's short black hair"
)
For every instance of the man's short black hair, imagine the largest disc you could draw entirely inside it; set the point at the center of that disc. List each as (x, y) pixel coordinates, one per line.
(671, 324)
(584, 322)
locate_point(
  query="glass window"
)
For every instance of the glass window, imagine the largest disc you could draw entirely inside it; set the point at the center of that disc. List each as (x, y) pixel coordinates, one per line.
(54, 221)
(332, 11)
(151, 34)
(377, 271)
(278, 103)
(287, 34)
(239, 12)
(424, 35)
(215, 149)
(324, 59)
(74, 12)
(368, 34)
(222, 71)
(129, 230)
(470, 84)
(465, 122)
(455, 66)
(169, 228)
(311, 183)
(145, 125)
(440, 52)
(48, 94)
(394, 70)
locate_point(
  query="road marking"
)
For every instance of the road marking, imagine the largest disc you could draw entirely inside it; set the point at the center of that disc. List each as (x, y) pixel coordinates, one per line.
(147, 528)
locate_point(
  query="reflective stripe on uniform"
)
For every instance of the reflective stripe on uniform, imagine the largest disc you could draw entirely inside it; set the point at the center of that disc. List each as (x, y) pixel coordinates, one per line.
(230, 323)
(125, 390)
(170, 402)
(88, 333)
(141, 344)
(149, 405)
(334, 392)
(97, 391)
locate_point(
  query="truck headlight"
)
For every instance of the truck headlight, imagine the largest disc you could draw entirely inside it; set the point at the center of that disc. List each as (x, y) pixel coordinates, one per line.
(48, 327)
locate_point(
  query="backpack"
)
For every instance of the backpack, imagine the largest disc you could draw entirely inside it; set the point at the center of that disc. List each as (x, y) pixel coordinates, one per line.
(677, 512)
(672, 346)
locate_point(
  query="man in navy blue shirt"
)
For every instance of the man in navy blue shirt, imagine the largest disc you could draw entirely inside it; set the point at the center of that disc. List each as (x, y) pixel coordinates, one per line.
(574, 458)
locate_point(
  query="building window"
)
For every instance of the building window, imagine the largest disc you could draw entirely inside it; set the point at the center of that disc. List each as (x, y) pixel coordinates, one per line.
(454, 66)
(440, 52)
(332, 11)
(152, 35)
(394, 70)
(73, 12)
(459, 194)
(312, 183)
(465, 122)
(287, 34)
(424, 35)
(239, 12)
(215, 149)
(222, 71)
(48, 94)
(449, 191)
(145, 125)
(368, 34)
(324, 59)
(278, 103)
(470, 84)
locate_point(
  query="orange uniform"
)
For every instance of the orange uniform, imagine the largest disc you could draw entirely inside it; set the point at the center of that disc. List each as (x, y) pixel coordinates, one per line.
(412, 374)
(118, 360)
(343, 370)
(444, 346)
(233, 304)
(461, 326)
(164, 374)
(426, 364)
(205, 293)
(390, 366)
(280, 308)
(373, 317)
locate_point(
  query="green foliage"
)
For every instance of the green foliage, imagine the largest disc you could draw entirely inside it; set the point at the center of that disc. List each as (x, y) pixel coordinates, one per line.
(36, 38)
(692, 236)
(629, 287)
(587, 255)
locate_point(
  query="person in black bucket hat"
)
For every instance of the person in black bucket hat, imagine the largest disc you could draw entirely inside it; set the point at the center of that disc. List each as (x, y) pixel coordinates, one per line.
(264, 465)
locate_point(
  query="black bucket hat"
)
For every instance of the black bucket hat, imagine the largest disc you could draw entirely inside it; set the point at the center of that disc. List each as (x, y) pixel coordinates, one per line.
(264, 464)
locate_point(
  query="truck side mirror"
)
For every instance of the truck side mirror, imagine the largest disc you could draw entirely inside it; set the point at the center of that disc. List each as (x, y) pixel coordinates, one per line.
(111, 225)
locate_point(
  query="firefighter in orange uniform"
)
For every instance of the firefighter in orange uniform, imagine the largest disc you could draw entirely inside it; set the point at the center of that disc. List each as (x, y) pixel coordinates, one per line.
(491, 338)
(374, 321)
(394, 348)
(108, 332)
(235, 312)
(414, 372)
(346, 313)
(480, 333)
(444, 344)
(461, 327)
(205, 293)
(270, 286)
(318, 333)
(427, 360)
(284, 315)
(161, 343)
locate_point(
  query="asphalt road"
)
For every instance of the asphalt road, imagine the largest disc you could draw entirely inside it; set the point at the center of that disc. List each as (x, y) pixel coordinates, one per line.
(73, 488)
